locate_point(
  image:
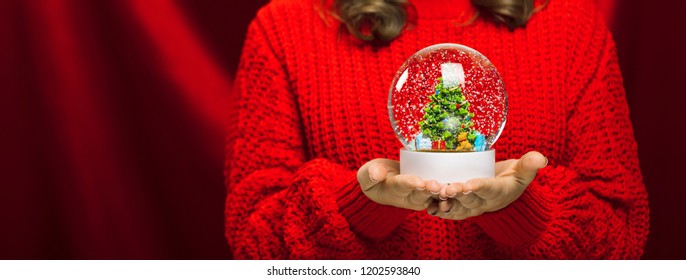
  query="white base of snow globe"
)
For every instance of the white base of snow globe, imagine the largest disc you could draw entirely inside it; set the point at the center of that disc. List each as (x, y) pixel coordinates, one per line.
(448, 167)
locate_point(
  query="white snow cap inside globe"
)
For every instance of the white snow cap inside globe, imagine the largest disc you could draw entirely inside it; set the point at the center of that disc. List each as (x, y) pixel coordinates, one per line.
(448, 98)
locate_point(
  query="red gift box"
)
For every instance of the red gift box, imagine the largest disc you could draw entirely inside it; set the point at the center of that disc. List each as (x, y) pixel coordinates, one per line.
(438, 145)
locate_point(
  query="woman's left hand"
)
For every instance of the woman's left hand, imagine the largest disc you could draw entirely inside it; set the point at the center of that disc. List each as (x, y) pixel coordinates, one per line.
(463, 200)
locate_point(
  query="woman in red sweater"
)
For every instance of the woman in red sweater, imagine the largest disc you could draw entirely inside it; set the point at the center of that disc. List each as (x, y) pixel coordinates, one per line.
(311, 170)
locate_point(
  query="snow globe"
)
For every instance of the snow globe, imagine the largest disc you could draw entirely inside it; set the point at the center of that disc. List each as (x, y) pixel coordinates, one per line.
(447, 105)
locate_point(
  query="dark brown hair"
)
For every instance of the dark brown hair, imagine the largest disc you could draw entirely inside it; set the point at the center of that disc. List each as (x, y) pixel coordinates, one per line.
(384, 19)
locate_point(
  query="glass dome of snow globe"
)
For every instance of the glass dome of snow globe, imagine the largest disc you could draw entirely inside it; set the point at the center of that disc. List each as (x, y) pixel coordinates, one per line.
(448, 99)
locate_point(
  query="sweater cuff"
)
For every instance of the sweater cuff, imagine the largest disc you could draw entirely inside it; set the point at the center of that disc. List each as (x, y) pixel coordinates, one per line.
(366, 217)
(522, 221)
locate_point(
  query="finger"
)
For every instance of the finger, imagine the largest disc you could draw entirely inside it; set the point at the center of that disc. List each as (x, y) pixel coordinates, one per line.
(504, 165)
(457, 212)
(450, 190)
(419, 199)
(527, 167)
(401, 186)
(471, 200)
(432, 209)
(433, 187)
(376, 171)
(460, 212)
(486, 188)
(445, 205)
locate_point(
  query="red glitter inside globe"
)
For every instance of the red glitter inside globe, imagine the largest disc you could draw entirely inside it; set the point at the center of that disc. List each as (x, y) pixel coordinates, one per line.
(417, 79)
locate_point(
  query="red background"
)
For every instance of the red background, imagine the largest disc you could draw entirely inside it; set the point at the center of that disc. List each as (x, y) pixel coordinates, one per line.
(112, 121)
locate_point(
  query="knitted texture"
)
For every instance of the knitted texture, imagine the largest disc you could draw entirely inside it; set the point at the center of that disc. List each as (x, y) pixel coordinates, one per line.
(310, 109)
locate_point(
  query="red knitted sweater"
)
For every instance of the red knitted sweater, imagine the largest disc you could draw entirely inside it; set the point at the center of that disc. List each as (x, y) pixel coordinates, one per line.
(310, 109)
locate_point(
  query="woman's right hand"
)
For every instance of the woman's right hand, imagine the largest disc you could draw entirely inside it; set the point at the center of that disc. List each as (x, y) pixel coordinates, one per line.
(382, 182)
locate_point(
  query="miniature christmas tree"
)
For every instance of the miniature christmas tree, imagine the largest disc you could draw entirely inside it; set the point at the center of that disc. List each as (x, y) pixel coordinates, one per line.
(447, 120)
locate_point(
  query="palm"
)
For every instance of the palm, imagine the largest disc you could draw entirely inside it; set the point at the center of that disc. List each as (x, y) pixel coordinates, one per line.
(489, 194)
(381, 182)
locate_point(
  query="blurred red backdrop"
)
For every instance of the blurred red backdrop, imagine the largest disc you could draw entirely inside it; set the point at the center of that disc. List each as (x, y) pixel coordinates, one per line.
(113, 113)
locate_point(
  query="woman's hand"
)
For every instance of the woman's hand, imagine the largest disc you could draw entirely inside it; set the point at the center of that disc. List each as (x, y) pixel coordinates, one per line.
(381, 182)
(463, 200)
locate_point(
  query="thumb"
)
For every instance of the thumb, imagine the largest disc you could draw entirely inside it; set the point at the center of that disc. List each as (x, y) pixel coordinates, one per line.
(527, 167)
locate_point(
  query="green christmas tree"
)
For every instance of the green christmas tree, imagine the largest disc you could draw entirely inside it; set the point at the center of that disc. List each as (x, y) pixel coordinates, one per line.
(447, 118)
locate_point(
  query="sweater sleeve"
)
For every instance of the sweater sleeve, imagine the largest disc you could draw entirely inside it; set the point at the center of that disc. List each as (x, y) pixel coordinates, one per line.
(280, 203)
(591, 203)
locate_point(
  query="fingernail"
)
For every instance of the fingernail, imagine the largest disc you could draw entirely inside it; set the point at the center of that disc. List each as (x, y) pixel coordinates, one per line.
(420, 189)
(546, 162)
(446, 212)
(433, 213)
(442, 198)
(453, 195)
(467, 192)
(371, 177)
